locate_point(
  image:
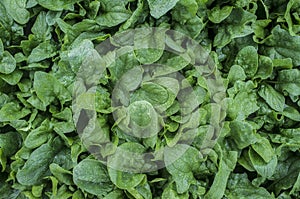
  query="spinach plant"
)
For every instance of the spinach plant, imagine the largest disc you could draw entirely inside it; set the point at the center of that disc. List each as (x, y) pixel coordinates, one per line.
(149, 99)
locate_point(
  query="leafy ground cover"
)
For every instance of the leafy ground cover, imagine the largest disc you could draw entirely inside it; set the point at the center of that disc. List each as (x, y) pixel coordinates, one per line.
(210, 110)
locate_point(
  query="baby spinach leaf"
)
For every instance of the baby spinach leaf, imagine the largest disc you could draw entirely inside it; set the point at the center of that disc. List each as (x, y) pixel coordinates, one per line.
(57, 5)
(40, 28)
(265, 169)
(43, 51)
(113, 13)
(291, 113)
(288, 80)
(217, 14)
(8, 63)
(219, 185)
(12, 111)
(149, 45)
(247, 58)
(243, 103)
(159, 8)
(92, 177)
(9, 144)
(283, 45)
(273, 98)
(241, 187)
(244, 133)
(17, 10)
(12, 78)
(170, 192)
(38, 136)
(48, 88)
(265, 67)
(185, 10)
(183, 168)
(61, 174)
(37, 166)
(236, 73)
(122, 176)
(236, 25)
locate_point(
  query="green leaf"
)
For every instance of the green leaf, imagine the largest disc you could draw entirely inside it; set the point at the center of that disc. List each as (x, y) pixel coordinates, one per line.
(61, 174)
(243, 133)
(153, 93)
(160, 7)
(12, 78)
(113, 13)
(283, 45)
(12, 111)
(240, 187)
(288, 17)
(285, 63)
(184, 10)
(38, 136)
(236, 73)
(91, 176)
(17, 10)
(7, 64)
(244, 102)
(137, 15)
(292, 113)
(265, 67)
(289, 81)
(140, 113)
(125, 164)
(116, 194)
(9, 142)
(43, 51)
(260, 29)
(141, 191)
(149, 45)
(192, 27)
(40, 28)
(273, 98)
(265, 169)
(5, 19)
(264, 149)
(234, 26)
(48, 88)
(184, 161)
(217, 14)
(170, 192)
(247, 58)
(226, 166)
(37, 166)
(58, 5)
(1, 49)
